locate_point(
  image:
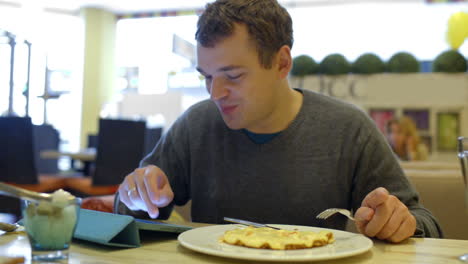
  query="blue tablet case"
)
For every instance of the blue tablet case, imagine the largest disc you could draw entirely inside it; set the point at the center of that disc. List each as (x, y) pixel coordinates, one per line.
(118, 230)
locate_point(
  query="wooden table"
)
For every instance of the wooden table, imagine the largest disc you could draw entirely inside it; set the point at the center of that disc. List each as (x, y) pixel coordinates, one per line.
(86, 156)
(166, 249)
(83, 155)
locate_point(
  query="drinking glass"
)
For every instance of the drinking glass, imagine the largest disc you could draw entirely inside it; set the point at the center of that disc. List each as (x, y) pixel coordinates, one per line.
(463, 155)
(50, 227)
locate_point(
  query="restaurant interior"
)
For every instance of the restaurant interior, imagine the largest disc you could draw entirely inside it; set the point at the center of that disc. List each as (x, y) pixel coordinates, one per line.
(76, 77)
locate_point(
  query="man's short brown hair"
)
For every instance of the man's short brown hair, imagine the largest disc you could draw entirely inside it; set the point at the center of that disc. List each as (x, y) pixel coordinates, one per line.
(268, 23)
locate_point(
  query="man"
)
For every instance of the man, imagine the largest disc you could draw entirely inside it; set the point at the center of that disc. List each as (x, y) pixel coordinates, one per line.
(262, 151)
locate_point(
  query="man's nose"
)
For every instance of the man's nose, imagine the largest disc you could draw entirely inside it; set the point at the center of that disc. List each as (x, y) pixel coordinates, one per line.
(218, 89)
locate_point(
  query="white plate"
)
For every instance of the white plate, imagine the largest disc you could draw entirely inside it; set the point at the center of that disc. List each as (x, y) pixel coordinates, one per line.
(206, 240)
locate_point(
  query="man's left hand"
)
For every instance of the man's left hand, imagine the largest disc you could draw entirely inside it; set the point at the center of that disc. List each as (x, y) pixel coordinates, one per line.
(385, 217)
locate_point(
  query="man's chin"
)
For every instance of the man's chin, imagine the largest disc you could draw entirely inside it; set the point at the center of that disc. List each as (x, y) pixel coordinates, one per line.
(232, 124)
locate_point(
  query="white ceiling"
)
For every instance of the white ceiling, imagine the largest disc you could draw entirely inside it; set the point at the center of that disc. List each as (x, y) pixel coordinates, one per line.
(133, 6)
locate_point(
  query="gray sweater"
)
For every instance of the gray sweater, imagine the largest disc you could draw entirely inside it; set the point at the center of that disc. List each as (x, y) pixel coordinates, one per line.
(331, 155)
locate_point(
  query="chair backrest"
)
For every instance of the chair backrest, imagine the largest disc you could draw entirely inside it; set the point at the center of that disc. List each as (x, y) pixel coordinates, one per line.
(120, 149)
(17, 164)
(93, 141)
(152, 136)
(46, 137)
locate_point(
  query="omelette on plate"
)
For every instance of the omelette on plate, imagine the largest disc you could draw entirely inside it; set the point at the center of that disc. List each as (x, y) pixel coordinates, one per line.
(269, 238)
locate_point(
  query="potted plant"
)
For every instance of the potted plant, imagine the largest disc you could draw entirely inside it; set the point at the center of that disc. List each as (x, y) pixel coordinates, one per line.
(334, 64)
(403, 62)
(449, 61)
(368, 63)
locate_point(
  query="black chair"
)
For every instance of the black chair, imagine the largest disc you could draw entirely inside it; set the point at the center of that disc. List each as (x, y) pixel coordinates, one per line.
(93, 141)
(17, 161)
(152, 136)
(46, 137)
(120, 149)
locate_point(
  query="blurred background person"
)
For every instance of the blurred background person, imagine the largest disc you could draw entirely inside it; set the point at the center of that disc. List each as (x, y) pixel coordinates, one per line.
(404, 139)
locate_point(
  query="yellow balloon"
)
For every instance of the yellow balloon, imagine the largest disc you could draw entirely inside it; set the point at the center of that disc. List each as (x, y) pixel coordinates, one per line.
(457, 30)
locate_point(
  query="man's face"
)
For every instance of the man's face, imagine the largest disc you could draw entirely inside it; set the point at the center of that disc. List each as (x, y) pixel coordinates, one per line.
(244, 91)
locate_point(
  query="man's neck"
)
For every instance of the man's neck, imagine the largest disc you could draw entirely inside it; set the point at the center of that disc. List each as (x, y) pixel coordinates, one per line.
(288, 107)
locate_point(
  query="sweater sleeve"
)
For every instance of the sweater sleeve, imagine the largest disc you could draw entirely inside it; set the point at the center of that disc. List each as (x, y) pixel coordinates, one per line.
(377, 166)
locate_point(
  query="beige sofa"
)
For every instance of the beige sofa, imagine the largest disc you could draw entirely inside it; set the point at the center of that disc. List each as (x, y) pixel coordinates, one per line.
(442, 191)
(431, 165)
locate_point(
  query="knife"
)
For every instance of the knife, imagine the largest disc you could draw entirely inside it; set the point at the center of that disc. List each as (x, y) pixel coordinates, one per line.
(248, 223)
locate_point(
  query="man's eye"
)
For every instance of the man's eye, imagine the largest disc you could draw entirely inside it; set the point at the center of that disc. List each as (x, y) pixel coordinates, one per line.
(233, 77)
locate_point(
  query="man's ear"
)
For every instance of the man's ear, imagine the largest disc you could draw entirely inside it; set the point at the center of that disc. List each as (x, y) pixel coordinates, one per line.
(284, 61)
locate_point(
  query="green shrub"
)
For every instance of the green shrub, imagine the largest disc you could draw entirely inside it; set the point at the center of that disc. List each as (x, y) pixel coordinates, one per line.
(449, 61)
(368, 63)
(403, 62)
(303, 65)
(334, 64)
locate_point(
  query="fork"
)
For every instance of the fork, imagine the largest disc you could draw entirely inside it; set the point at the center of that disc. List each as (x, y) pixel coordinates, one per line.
(331, 211)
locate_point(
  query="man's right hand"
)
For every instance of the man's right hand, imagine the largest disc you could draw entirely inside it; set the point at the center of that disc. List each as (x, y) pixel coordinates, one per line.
(146, 189)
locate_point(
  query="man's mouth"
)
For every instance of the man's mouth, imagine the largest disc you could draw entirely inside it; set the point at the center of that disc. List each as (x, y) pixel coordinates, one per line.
(228, 109)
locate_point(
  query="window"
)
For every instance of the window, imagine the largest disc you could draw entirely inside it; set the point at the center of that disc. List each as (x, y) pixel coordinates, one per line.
(382, 28)
(56, 48)
(147, 44)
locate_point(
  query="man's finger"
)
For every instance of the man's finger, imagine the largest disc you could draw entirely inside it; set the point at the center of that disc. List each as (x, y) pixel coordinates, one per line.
(405, 230)
(392, 225)
(382, 214)
(152, 209)
(375, 198)
(160, 196)
(166, 196)
(158, 188)
(126, 200)
(362, 216)
(143, 201)
(124, 191)
(136, 196)
(150, 181)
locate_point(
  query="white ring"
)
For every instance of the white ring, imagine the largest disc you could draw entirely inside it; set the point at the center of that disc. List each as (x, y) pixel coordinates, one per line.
(130, 191)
